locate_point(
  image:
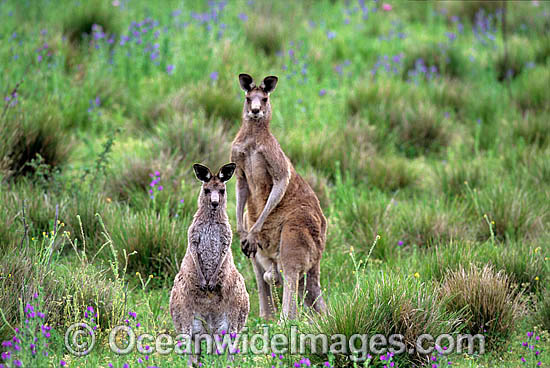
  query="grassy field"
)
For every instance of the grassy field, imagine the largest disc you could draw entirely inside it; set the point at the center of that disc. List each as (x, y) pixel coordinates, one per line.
(423, 127)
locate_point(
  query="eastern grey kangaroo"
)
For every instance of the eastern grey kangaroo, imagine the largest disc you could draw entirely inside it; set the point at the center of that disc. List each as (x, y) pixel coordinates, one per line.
(284, 230)
(209, 294)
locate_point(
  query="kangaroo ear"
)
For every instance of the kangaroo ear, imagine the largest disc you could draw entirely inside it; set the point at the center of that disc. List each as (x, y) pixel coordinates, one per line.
(269, 84)
(202, 173)
(246, 82)
(226, 171)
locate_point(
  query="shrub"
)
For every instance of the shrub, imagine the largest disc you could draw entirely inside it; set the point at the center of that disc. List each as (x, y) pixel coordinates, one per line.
(385, 304)
(489, 302)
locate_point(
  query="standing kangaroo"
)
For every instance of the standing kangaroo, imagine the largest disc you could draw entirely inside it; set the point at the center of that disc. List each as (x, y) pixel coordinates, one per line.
(209, 294)
(284, 229)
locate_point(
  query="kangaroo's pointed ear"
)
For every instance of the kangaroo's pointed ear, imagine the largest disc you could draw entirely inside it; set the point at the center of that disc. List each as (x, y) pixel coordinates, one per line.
(269, 83)
(246, 82)
(202, 173)
(226, 171)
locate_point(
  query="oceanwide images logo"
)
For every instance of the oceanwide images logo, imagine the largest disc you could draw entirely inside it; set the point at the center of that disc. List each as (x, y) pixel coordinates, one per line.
(80, 340)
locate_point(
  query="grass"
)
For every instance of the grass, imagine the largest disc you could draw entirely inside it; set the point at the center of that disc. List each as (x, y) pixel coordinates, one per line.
(417, 127)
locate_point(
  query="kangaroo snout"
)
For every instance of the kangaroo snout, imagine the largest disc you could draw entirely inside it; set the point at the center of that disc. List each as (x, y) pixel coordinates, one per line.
(215, 199)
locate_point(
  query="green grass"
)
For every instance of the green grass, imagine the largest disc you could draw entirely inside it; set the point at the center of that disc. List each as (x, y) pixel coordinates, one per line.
(448, 165)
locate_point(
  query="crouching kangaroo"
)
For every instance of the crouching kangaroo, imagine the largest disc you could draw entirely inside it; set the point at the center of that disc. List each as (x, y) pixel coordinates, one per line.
(209, 294)
(284, 229)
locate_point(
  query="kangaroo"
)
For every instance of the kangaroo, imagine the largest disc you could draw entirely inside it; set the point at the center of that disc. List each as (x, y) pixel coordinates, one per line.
(284, 229)
(209, 293)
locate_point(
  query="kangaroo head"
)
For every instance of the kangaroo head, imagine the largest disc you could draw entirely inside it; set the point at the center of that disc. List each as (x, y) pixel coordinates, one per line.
(212, 193)
(256, 104)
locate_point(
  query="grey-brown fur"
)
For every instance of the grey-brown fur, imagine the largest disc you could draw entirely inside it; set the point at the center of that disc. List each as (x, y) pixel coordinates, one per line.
(209, 294)
(284, 228)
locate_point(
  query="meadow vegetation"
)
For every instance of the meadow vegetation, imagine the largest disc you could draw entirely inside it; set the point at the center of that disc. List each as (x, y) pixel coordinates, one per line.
(423, 127)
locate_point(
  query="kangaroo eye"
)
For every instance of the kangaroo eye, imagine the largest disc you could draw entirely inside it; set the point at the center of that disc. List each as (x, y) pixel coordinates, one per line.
(207, 191)
(264, 100)
(222, 191)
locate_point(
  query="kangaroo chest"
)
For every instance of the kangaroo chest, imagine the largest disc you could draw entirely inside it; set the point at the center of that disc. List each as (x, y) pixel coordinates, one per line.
(252, 161)
(213, 238)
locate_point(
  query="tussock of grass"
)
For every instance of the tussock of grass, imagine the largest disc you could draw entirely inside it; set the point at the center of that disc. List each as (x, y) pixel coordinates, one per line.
(533, 128)
(401, 116)
(218, 102)
(66, 292)
(424, 225)
(341, 158)
(451, 94)
(543, 307)
(80, 19)
(132, 176)
(507, 212)
(422, 130)
(447, 59)
(30, 135)
(522, 262)
(386, 304)
(191, 138)
(511, 64)
(320, 185)
(390, 173)
(531, 90)
(470, 9)
(487, 299)
(159, 241)
(455, 178)
(266, 33)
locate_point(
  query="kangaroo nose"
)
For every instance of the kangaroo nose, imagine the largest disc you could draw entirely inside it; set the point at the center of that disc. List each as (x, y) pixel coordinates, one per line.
(255, 110)
(215, 204)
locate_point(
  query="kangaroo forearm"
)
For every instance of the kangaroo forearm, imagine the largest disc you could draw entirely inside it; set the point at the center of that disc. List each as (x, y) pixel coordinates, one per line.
(196, 262)
(218, 267)
(242, 197)
(276, 195)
